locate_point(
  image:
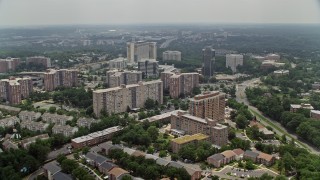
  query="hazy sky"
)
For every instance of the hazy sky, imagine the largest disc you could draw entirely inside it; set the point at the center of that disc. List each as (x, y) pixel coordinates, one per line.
(45, 12)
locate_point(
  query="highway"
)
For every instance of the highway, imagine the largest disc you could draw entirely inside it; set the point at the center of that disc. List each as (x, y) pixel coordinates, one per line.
(277, 127)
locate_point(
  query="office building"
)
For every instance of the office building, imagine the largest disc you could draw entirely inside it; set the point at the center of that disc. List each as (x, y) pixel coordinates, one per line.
(149, 68)
(119, 63)
(39, 60)
(9, 64)
(115, 78)
(208, 60)
(178, 143)
(126, 97)
(137, 51)
(179, 84)
(14, 90)
(233, 61)
(208, 105)
(218, 134)
(60, 78)
(171, 56)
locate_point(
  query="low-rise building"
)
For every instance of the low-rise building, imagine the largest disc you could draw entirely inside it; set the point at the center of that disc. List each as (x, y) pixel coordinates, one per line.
(178, 143)
(8, 144)
(95, 159)
(10, 109)
(53, 171)
(34, 126)
(295, 107)
(225, 157)
(105, 167)
(281, 72)
(266, 159)
(56, 118)
(26, 142)
(117, 173)
(251, 155)
(315, 114)
(239, 153)
(316, 86)
(228, 156)
(29, 115)
(217, 160)
(95, 138)
(9, 122)
(85, 122)
(65, 130)
(165, 117)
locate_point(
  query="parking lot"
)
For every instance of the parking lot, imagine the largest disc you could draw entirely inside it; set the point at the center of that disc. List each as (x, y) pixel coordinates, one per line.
(241, 173)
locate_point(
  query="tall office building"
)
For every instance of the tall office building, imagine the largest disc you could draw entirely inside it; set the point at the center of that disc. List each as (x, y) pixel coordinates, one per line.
(63, 77)
(141, 50)
(171, 56)
(119, 99)
(9, 64)
(178, 84)
(218, 134)
(44, 61)
(208, 60)
(149, 68)
(15, 89)
(208, 105)
(233, 61)
(116, 78)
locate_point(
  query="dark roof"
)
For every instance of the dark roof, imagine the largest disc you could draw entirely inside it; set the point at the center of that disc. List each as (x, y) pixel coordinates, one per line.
(108, 166)
(52, 167)
(217, 157)
(175, 164)
(61, 176)
(162, 162)
(251, 153)
(96, 157)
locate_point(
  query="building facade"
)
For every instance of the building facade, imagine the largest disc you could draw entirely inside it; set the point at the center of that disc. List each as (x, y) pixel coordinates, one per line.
(9, 64)
(119, 63)
(149, 68)
(218, 134)
(44, 61)
(171, 56)
(208, 60)
(141, 50)
(233, 61)
(15, 89)
(115, 78)
(60, 78)
(119, 99)
(208, 105)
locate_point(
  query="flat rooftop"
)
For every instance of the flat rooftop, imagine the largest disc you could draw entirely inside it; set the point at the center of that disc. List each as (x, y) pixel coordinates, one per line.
(188, 138)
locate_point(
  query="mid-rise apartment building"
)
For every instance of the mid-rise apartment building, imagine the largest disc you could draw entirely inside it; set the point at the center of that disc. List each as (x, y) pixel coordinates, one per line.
(218, 133)
(149, 68)
(119, 99)
(119, 63)
(56, 118)
(85, 122)
(179, 84)
(63, 77)
(9, 121)
(115, 78)
(141, 50)
(9, 64)
(44, 61)
(233, 61)
(65, 130)
(171, 56)
(14, 90)
(208, 105)
(34, 126)
(29, 115)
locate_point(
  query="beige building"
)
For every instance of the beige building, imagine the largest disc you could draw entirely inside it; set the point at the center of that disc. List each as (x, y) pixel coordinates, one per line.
(218, 134)
(179, 84)
(275, 57)
(26, 142)
(86, 122)
(65, 130)
(119, 63)
(137, 51)
(63, 77)
(14, 90)
(208, 105)
(115, 78)
(233, 61)
(149, 68)
(171, 56)
(9, 121)
(119, 99)
(34, 126)
(9, 64)
(29, 115)
(178, 143)
(56, 118)
(295, 107)
(46, 62)
(281, 72)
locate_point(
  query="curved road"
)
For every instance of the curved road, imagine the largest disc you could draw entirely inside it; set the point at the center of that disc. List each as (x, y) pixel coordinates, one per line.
(277, 127)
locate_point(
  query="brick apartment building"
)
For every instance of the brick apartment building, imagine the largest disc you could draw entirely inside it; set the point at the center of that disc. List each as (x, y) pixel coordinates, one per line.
(218, 134)
(208, 105)
(115, 78)
(9, 64)
(179, 84)
(63, 77)
(119, 99)
(14, 90)
(44, 61)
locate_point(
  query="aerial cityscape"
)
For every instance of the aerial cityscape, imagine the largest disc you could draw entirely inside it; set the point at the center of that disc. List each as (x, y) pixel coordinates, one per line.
(192, 96)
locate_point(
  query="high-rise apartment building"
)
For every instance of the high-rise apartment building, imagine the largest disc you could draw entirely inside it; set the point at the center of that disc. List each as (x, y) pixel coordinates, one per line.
(208, 105)
(44, 61)
(171, 56)
(218, 134)
(179, 84)
(149, 68)
(116, 78)
(233, 61)
(119, 99)
(63, 77)
(119, 63)
(9, 64)
(208, 60)
(15, 89)
(141, 50)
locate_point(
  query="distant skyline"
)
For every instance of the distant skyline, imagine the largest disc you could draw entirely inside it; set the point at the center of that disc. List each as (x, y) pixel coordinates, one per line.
(68, 12)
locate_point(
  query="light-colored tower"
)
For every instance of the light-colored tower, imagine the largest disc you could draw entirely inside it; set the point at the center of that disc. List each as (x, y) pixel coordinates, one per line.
(233, 61)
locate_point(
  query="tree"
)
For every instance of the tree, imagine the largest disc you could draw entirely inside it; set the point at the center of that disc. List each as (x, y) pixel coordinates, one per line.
(52, 109)
(174, 157)
(241, 121)
(162, 153)
(60, 158)
(288, 162)
(196, 91)
(249, 165)
(149, 104)
(69, 165)
(153, 132)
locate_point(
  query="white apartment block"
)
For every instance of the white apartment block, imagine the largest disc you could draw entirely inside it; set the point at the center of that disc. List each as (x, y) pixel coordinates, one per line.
(171, 56)
(119, 63)
(56, 118)
(29, 115)
(66, 130)
(233, 61)
(141, 50)
(34, 126)
(9, 122)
